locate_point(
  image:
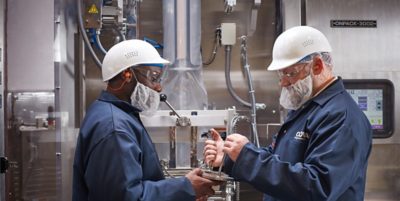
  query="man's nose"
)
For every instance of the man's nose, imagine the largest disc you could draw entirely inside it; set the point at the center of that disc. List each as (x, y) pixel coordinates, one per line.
(157, 87)
(284, 82)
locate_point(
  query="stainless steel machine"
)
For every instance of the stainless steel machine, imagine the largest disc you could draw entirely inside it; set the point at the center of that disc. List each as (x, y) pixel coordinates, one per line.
(179, 139)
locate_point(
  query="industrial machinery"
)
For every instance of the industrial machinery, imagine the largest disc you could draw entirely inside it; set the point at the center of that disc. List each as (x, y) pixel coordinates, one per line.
(179, 139)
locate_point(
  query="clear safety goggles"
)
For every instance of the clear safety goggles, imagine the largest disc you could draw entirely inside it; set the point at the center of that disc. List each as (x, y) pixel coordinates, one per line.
(298, 67)
(152, 75)
(293, 74)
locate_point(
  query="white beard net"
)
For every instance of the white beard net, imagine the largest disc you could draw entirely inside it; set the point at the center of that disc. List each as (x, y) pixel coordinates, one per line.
(295, 95)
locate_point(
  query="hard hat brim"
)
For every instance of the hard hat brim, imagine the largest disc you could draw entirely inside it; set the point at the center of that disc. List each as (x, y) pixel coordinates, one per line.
(157, 61)
(276, 65)
(154, 61)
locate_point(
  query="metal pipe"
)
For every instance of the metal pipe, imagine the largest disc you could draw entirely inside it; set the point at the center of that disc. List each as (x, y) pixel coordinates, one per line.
(182, 36)
(251, 91)
(228, 77)
(193, 147)
(229, 82)
(237, 191)
(172, 147)
(253, 106)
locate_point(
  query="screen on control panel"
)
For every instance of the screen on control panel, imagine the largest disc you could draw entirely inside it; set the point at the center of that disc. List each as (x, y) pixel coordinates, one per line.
(371, 103)
(375, 97)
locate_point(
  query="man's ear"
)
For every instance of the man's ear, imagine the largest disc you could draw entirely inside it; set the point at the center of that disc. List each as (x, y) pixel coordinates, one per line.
(318, 66)
(127, 75)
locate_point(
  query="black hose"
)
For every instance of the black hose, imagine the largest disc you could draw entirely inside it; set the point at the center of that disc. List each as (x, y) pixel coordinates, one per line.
(215, 48)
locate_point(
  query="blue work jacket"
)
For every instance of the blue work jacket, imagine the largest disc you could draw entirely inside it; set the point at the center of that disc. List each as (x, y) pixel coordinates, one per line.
(115, 159)
(320, 153)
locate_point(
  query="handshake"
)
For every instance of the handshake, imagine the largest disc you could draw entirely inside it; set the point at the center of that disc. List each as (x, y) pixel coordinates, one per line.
(215, 151)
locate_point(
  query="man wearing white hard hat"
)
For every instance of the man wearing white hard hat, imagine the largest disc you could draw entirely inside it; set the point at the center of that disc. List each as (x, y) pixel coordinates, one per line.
(321, 151)
(115, 158)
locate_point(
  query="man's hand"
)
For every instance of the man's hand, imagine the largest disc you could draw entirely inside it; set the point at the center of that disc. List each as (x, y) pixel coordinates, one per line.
(204, 198)
(202, 186)
(234, 144)
(213, 150)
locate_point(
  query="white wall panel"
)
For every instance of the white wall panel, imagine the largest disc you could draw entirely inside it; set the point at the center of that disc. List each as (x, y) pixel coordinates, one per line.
(30, 52)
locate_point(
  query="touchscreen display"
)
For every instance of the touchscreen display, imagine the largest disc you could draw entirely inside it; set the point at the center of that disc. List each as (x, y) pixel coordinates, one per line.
(370, 102)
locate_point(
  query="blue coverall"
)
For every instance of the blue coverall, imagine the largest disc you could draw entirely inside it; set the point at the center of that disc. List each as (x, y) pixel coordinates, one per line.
(320, 153)
(115, 159)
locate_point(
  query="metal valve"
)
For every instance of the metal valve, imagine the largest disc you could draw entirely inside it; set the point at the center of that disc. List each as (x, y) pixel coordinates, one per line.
(182, 120)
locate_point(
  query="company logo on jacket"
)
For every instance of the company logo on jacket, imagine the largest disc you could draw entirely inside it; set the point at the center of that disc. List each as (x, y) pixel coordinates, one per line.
(301, 135)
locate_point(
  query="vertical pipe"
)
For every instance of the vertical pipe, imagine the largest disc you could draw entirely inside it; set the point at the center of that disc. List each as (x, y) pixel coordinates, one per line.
(172, 147)
(253, 106)
(57, 105)
(78, 79)
(181, 27)
(303, 13)
(183, 79)
(2, 123)
(193, 147)
(228, 55)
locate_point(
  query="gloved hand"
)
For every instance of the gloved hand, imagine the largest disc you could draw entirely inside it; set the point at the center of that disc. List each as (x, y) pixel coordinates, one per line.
(202, 186)
(213, 153)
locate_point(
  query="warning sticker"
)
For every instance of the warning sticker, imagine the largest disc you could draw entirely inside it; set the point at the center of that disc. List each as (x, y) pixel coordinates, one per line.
(93, 9)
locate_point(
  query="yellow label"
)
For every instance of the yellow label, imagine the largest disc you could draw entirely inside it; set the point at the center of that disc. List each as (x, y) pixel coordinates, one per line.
(93, 9)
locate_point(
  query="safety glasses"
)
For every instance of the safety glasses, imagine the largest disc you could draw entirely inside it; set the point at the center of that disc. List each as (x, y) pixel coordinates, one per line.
(293, 74)
(152, 75)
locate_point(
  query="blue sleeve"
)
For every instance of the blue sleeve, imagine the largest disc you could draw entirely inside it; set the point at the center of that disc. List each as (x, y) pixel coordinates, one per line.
(332, 163)
(115, 172)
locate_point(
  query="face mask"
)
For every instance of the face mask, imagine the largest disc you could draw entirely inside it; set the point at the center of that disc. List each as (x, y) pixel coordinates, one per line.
(295, 95)
(146, 99)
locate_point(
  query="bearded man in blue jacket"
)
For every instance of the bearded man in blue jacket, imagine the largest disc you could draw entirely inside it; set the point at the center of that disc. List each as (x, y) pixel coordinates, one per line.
(115, 159)
(321, 151)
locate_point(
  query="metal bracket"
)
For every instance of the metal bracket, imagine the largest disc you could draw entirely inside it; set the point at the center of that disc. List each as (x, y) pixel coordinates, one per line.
(183, 121)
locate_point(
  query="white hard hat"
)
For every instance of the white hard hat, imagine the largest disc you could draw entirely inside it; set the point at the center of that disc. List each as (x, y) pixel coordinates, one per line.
(129, 53)
(296, 43)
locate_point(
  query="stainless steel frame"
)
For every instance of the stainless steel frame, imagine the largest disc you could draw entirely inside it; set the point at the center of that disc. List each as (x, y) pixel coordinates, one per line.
(40, 58)
(2, 150)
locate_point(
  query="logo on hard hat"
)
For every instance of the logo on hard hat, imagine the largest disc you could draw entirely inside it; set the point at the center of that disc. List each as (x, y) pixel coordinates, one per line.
(308, 42)
(131, 54)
